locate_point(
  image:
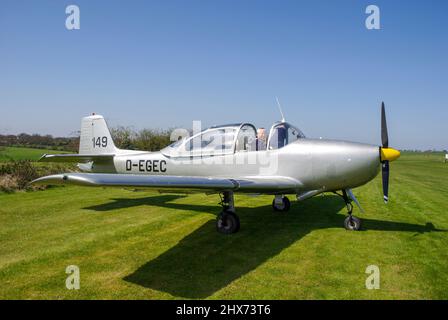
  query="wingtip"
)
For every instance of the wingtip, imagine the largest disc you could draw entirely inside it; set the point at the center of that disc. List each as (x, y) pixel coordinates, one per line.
(47, 180)
(44, 156)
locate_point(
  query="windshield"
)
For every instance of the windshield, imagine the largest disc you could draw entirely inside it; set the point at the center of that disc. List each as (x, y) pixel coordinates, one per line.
(282, 134)
(177, 143)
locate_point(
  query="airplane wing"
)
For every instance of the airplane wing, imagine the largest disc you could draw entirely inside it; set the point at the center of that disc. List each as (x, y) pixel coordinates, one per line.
(269, 185)
(78, 158)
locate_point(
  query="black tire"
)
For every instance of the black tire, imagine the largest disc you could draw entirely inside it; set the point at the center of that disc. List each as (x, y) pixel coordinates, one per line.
(227, 222)
(286, 204)
(352, 223)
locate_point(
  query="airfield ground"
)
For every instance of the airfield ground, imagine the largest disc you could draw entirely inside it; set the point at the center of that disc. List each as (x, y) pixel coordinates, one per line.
(146, 245)
(18, 153)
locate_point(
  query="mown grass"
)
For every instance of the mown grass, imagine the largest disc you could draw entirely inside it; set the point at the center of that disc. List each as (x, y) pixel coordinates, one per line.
(19, 153)
(146, 245)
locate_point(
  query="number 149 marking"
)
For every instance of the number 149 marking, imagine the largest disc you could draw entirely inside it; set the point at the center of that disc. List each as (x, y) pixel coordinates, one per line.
(99, 142)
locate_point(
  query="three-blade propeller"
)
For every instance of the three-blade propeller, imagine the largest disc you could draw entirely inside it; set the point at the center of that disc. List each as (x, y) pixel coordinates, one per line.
(387, 154)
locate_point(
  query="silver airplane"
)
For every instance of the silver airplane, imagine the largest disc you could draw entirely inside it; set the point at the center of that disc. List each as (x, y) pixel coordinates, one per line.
(231, 158)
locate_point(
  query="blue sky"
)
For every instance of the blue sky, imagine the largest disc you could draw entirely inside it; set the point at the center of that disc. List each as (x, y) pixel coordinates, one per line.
(160, 64)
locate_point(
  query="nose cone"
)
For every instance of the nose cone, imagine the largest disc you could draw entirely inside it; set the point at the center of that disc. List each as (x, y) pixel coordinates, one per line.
(389, 154)
(336, 164)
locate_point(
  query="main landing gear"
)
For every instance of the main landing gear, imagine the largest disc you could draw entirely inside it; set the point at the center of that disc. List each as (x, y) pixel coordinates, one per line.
(351, 223)
(227, 221)
(281, 203)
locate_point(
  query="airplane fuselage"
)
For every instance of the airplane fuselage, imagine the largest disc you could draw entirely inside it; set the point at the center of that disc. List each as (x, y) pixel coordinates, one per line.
(316, 164)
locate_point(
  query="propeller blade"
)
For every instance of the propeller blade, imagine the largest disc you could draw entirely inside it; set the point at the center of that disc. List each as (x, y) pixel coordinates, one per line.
(385, 174)
(384, 135)
(352, 196)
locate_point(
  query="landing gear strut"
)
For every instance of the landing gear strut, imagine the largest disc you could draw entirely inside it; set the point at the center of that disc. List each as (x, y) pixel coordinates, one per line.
(281, 203)
(227, 221)
(351, 222)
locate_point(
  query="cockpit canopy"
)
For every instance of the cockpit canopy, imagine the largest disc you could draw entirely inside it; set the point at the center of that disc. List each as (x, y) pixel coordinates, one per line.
(228, 139)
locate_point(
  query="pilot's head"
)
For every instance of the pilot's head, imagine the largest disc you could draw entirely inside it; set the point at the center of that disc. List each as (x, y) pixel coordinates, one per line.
(261, 133)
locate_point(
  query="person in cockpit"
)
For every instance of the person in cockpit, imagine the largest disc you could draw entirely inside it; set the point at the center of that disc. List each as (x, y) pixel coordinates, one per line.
(261, 139)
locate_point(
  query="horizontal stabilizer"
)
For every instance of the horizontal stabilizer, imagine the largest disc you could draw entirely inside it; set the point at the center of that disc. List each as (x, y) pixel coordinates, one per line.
(78, 158)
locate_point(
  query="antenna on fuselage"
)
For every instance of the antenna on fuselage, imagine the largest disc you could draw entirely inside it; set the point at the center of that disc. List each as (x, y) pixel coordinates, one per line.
(280, 109)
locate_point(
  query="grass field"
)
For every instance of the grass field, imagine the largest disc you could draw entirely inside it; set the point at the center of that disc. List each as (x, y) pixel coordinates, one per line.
(15, 153)
(146, 245)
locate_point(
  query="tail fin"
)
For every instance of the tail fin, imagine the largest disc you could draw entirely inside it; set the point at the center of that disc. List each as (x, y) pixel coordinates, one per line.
(95, 137)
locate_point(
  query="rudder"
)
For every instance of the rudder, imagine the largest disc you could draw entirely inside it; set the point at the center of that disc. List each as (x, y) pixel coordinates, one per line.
(95, 136)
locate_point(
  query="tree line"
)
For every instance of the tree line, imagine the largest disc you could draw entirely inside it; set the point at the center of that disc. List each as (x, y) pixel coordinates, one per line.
(124, 138)
(40, 141)
(145, 139)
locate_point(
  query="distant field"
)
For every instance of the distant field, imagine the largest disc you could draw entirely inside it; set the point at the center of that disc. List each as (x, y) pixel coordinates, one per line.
(14, 153)
(146, 245)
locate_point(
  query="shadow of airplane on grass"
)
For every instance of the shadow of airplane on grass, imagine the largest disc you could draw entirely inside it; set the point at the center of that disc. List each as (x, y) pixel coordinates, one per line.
(206, 261)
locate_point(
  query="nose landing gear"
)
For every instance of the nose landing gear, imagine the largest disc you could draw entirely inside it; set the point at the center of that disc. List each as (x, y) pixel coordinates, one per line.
(281, 203)
(351, 223)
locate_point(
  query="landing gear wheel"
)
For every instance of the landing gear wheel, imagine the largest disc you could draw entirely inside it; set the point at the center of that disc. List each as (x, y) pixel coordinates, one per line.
(352, 223)
(282, 207)
(227, 222)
